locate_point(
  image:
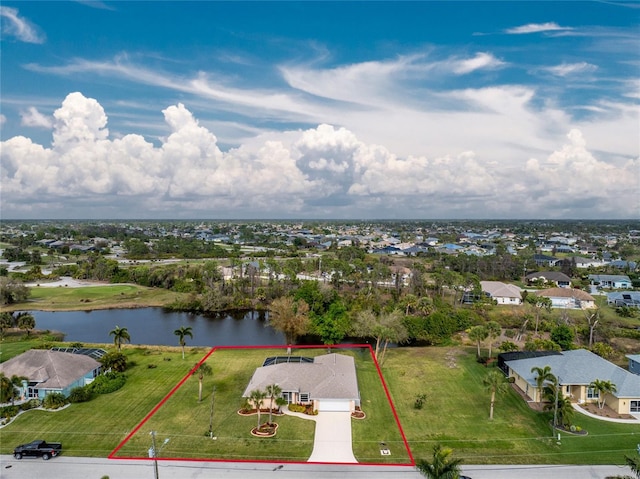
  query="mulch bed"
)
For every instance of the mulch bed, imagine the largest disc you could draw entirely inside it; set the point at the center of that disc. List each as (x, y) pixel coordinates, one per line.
(253, 412)
(265, 430)
(606, 411)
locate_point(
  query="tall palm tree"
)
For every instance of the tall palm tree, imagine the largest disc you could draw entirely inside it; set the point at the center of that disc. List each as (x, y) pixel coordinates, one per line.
(442, 466)
(543, 377)
(493, 331)
(603, 387)
(561, 405)
(478, 334)
(202, 370)
(273, 391)
(6, 322)
(120, 335)
(182, 332)
(26, 321)
(257, 397)
(495, 382)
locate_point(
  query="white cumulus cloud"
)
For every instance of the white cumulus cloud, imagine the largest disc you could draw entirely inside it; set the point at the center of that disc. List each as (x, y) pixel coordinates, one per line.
(326, 171)
(32, 117)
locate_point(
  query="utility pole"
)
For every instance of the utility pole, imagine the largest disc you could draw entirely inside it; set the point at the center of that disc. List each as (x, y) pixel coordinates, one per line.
(155, 454)
(211, 414)
(555, 409)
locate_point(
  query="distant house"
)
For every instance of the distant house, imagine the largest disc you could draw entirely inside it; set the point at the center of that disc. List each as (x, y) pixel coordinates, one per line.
(545, 260)
(559, 279)
(502, 293)
(613, 281)
(581, 262)
(634, 363)
(50, 371)
(327, 382)
(575, 371)
(568, 298)
(630, 299)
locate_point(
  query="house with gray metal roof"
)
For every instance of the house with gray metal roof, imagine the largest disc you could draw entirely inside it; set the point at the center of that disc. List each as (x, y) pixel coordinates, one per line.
(329, 382)
(613, 281)
(575, 370)
(634, 363)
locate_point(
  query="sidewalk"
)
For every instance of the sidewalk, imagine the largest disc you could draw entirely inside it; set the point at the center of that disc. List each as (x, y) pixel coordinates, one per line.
(610, 419)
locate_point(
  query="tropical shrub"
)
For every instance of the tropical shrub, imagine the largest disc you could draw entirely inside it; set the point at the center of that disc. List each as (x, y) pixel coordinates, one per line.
(80, 394)
(114, 361)
(54, 401)
(107, 383)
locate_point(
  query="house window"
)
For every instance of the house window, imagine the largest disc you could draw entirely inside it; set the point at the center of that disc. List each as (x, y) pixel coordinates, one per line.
(303, 397)
(634, 406)
(592, 393)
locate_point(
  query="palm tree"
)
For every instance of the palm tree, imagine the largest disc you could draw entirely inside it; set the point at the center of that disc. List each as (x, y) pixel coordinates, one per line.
(26, 321)
(478, 334)
(543, 376)
(273, 391)
(182, 332)
(634, 465)
(561, 405)
(493, 331)
(495, 382)
(120, 335)
(257, 397)
(202, 370)
(6, 322)
(442, 467)
(603, 387)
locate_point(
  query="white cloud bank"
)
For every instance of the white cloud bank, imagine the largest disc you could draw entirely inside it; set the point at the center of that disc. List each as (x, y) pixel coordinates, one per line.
(536, 28)
(320, 172)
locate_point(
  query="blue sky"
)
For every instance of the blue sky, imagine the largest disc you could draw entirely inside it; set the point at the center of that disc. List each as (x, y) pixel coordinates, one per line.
(320, 110)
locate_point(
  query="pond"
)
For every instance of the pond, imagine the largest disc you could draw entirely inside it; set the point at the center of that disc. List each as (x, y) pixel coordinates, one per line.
(156, 326)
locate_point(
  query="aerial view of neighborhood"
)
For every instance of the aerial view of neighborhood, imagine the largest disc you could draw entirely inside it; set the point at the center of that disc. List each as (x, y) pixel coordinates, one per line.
(366, 343)
(366, 239)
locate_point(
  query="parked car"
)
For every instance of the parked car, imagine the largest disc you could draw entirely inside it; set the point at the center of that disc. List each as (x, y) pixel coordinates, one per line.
(38, 448)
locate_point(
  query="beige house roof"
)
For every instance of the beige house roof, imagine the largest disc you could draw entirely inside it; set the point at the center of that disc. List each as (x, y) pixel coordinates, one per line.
(330, 376)
(50, 369)
(500, 289)
(565, 293)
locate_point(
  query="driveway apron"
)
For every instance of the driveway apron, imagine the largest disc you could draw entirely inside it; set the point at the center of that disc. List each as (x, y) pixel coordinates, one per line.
(332, 442)
(333, 438)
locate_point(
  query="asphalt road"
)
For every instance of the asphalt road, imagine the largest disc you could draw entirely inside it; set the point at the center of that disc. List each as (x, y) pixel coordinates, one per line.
(95, 468)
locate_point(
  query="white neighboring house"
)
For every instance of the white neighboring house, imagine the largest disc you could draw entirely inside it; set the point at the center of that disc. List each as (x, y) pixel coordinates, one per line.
(502, 293)
(328, 382)
(568, 298)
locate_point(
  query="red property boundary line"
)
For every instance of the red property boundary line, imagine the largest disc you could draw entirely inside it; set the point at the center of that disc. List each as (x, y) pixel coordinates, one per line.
(113, 453)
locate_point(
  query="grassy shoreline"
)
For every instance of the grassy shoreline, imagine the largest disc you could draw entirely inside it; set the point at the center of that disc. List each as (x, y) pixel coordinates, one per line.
(90, 298)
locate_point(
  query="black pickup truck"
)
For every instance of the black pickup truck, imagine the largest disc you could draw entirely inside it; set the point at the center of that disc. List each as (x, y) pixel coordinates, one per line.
(43, 449)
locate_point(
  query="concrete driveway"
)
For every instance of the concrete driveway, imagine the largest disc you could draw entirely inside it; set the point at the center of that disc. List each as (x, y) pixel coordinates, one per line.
(332, 442)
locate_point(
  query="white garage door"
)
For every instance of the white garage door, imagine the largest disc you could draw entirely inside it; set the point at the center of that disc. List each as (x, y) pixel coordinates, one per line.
(334, 405)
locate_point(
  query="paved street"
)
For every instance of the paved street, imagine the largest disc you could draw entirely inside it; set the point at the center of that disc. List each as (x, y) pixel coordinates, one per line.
(94, 468)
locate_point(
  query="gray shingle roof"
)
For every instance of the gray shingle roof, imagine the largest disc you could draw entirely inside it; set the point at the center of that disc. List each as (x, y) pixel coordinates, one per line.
(50, 369)
(580, 367)
(330, 376)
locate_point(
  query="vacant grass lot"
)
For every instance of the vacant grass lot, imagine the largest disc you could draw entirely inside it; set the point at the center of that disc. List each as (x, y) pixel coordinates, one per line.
(455, 414)
(457, 410)
(94, 297)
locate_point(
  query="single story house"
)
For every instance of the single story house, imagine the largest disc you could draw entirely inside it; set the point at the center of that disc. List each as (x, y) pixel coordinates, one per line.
(569, 298)
(559, 279)
(613, 281)
(575, 370)
(502, 293)
(630, 299)
(50, 371)
(328, 382)
(634, 363)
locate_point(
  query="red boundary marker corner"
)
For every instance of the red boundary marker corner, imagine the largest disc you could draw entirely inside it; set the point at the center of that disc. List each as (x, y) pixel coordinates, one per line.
(113, 453)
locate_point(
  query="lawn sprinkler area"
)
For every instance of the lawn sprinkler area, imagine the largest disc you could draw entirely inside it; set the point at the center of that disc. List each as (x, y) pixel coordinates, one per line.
(199, 420)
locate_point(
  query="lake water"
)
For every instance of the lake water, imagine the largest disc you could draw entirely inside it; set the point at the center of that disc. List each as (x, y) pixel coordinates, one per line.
(156, 326)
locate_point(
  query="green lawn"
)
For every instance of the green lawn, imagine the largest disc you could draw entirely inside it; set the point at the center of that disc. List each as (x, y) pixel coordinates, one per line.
(94, 297)
(456, 414)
